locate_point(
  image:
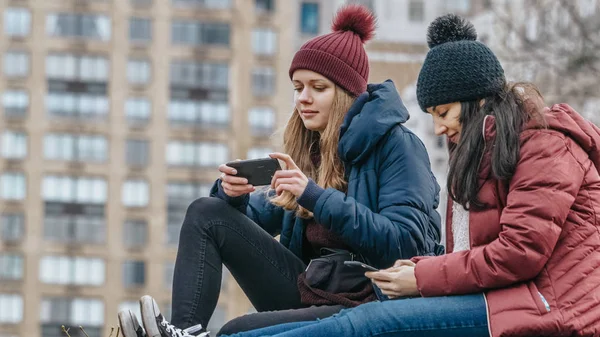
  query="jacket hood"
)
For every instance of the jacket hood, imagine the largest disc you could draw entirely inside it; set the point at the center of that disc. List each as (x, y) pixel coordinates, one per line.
(562, 118)
(369, 119)
(559, 117)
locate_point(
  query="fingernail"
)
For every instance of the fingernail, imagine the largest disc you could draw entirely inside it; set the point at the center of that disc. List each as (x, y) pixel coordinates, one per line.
(234, 171)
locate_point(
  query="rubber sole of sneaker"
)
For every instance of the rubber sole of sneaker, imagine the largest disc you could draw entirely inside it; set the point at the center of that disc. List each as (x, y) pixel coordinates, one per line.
(128, 323)
(149, 310)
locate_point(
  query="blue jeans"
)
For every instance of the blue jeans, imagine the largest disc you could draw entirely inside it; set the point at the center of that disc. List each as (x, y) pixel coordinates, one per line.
(450, 316)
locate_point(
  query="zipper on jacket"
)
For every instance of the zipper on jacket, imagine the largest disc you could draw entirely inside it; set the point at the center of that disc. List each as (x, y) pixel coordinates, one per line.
(487, 314)
(546, 304)
(484, 143)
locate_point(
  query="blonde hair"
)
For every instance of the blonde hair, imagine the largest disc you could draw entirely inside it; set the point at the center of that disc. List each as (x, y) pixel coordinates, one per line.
(299, 143)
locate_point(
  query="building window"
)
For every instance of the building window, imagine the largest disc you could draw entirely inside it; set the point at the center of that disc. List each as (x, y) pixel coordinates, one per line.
(199, 94)
(74, 223)
(194, 33)
(81, 190)
(135, 233)
(74, 209)
(68, 270)
(15, 103)
(14, 145)
(16, 64)
(140, 30)
(460, 6)
(416, 11)
(135, 193)
(77, 105)
(169, 271)
(77, 86)
(11, 308)
(263, 81)
(134, 273)
(189, 112)
(12, 227)
(137, 111)
(88, 26)
(196, 154)
(264, 41)
(258, 152)
(309, 19)
(78, 190)
(264, 6)
(17, 22)
(77, 68)
(261, 120)
(13, 186)
(179, 196)
(137, 152)
(367, 3)
(138, 72)
(187, 74)
(209, 4)
(58, 311)
(70, 147)
(11, 267)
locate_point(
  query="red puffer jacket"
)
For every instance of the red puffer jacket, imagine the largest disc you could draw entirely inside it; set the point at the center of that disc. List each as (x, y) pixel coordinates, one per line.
(535, 247)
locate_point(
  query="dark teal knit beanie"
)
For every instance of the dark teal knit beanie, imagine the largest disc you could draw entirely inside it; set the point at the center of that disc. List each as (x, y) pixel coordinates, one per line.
(457, 67)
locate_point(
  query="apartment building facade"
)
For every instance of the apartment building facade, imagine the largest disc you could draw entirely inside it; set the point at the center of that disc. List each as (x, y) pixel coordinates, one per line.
(115, 115)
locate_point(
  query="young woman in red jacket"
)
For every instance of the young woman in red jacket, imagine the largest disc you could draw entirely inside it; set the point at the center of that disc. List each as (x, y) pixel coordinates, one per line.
(523, 223)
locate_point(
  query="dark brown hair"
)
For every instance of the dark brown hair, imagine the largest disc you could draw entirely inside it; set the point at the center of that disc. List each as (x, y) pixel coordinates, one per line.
(513, 108)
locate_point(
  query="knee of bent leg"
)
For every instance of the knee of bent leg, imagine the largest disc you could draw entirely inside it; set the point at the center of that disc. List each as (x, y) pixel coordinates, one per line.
(207, 204)
(201, 211)
(237, 325)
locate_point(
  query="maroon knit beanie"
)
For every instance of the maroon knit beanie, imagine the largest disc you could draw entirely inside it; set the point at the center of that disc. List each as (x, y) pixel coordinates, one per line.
(340, 56)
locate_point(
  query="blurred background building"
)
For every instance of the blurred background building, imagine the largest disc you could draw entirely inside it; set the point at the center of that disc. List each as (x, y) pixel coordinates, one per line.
(116, 113)
(115, 117)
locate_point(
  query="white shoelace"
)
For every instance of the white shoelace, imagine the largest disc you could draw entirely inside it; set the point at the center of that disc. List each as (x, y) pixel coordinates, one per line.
(177, 332)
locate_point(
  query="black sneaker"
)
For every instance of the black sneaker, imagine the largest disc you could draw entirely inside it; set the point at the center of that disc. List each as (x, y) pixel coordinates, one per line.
(130, 326)
(157, 326)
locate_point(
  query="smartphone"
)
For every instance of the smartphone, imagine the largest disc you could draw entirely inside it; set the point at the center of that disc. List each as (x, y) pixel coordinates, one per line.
(358, 264)
(258, 171)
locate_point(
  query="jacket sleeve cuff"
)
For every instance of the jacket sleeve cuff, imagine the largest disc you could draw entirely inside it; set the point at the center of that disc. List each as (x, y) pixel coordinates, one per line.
(311, 194)
(416, 259)
(431, 280)
(233, 201)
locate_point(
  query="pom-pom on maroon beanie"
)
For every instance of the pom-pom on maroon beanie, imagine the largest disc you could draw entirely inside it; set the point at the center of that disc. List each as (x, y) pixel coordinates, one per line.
(340, 55)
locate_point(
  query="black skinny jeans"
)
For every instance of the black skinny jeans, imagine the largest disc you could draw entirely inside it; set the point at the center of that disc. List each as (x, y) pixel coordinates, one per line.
(214, 234)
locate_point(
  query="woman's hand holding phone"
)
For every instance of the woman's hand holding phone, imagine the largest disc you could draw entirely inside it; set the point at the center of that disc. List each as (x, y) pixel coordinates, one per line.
(234, 186)
(397, 281)
(291, 179)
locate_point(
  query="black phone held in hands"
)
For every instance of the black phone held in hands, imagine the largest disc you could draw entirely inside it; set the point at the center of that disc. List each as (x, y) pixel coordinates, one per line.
(258, 171)
(358, 264)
